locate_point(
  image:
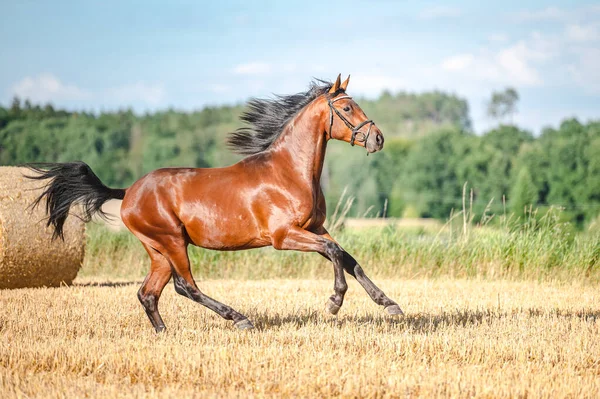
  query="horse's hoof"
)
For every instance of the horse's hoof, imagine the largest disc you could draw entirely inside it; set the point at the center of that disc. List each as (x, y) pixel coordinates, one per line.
(332, 307)
(394, 310)
(244, 325)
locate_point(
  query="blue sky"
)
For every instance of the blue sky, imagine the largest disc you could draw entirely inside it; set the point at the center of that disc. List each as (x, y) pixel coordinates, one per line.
(152, 55)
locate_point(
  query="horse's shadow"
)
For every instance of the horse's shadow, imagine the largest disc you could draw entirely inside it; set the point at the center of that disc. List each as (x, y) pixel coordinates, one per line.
(411, 322)
(415, 323)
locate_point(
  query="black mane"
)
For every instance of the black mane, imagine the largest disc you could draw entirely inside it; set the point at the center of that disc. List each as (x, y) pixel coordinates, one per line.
(268, 117)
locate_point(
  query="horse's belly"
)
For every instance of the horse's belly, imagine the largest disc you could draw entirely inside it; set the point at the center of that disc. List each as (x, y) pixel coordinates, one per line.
(224, 234)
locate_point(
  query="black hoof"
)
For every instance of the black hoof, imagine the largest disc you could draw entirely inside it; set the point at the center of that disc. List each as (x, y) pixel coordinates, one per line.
(394, 310)
(332, 307)
(244, 325)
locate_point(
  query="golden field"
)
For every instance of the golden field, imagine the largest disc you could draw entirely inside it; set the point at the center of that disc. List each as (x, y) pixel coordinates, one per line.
(459, 338)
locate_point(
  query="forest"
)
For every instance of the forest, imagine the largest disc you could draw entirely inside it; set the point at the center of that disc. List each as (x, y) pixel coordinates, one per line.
(431, 156)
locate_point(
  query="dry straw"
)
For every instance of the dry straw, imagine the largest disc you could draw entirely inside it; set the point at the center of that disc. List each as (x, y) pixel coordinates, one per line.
(28, 256)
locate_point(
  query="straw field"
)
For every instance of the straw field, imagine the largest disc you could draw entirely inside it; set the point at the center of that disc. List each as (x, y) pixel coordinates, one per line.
(509, 311)
(459, 338)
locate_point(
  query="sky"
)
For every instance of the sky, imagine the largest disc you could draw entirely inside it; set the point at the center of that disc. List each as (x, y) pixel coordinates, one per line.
(152, 55)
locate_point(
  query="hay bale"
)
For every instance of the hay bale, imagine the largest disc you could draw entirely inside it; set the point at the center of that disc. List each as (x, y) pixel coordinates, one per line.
(28, 256)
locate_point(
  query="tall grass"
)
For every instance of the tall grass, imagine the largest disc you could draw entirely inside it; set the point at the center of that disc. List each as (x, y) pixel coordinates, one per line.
(534, 248)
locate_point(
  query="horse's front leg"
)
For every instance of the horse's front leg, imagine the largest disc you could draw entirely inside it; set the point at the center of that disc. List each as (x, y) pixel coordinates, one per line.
(299, 239)
(353, 268)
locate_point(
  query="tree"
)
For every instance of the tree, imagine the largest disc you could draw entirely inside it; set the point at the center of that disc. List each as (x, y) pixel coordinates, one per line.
(15, 107)
(523, 193)
(429, 154)
(491, 167)
(503, 104)
(432, 169)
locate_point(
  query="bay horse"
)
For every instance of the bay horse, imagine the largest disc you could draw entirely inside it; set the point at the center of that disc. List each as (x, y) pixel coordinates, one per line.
(272, 197)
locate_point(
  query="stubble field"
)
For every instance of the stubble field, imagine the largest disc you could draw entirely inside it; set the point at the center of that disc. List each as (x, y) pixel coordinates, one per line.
(459, 338)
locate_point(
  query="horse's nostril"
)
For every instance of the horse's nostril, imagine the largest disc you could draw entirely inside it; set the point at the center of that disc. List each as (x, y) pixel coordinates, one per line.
(379, 139)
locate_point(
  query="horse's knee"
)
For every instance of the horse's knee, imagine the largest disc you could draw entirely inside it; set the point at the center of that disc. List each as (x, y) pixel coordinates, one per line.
(180, 285)
(148, 300)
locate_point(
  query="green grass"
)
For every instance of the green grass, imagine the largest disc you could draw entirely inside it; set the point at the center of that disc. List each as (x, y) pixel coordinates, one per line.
(542, 249)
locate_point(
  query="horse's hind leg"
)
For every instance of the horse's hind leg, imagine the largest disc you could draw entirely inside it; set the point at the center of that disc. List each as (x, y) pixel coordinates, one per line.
(186, 286)
(155, 281)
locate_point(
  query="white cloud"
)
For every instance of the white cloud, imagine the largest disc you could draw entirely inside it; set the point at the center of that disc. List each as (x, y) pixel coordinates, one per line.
(252, 68)
(585, 71)
(45, 88)
(566, 58)
(515, 62)
(510, 65)
(48, 88)
(540, 47)
(458, 62)
(150, 94)
(437, 12)
(582, 33)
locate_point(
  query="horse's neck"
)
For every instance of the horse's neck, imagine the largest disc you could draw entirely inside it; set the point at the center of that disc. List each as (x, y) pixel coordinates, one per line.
(303, 145)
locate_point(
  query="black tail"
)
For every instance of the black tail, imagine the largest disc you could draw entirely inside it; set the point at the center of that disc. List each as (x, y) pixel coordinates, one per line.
(69, 183)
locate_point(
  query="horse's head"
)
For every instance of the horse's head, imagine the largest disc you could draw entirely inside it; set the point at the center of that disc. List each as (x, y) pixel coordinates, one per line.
(347, 121)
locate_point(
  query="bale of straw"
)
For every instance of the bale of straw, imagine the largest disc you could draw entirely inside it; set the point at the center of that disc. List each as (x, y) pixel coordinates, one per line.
(28, 256)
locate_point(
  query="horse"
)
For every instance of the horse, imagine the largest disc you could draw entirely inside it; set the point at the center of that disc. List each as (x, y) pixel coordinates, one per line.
(272, 197)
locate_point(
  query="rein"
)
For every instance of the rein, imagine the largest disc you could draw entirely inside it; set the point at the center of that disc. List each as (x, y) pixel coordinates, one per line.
(355, 129)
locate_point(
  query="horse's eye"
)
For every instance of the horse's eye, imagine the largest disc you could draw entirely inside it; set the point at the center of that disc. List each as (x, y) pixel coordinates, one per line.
(347, 108)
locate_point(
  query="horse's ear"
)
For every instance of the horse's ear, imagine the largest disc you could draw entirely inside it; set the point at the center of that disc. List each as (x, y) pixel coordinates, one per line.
(336, 85)
(344, 85)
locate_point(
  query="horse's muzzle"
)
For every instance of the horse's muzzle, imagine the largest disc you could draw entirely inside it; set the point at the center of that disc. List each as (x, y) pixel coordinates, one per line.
(374, 142)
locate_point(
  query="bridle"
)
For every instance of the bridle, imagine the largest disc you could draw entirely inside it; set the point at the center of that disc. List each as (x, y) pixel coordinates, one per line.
(355, 129)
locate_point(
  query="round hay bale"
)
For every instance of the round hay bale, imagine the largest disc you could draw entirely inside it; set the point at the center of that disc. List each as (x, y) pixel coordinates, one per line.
(28, 256)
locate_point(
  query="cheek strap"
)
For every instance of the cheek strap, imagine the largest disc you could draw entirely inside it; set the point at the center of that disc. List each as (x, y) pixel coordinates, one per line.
(355, 129)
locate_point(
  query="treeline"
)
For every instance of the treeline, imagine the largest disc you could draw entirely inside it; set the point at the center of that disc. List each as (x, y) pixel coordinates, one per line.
(507, 170)
(430, 154)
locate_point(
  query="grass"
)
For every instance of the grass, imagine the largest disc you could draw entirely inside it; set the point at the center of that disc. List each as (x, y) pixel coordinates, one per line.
(539, 249)
(459, 338)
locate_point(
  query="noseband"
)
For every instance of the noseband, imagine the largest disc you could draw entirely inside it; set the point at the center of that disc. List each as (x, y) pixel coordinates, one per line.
(355, 129)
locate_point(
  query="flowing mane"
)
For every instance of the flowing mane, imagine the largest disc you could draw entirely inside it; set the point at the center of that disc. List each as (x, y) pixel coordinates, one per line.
(268, 117)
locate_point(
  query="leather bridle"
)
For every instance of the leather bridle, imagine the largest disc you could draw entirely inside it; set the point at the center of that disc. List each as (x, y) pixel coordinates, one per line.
(355, 129)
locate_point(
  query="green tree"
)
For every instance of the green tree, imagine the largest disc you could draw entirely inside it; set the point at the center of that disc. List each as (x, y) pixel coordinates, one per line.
(429, 153)
(433, 178)
(491, 167)
(523, 193)
(503, 104)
